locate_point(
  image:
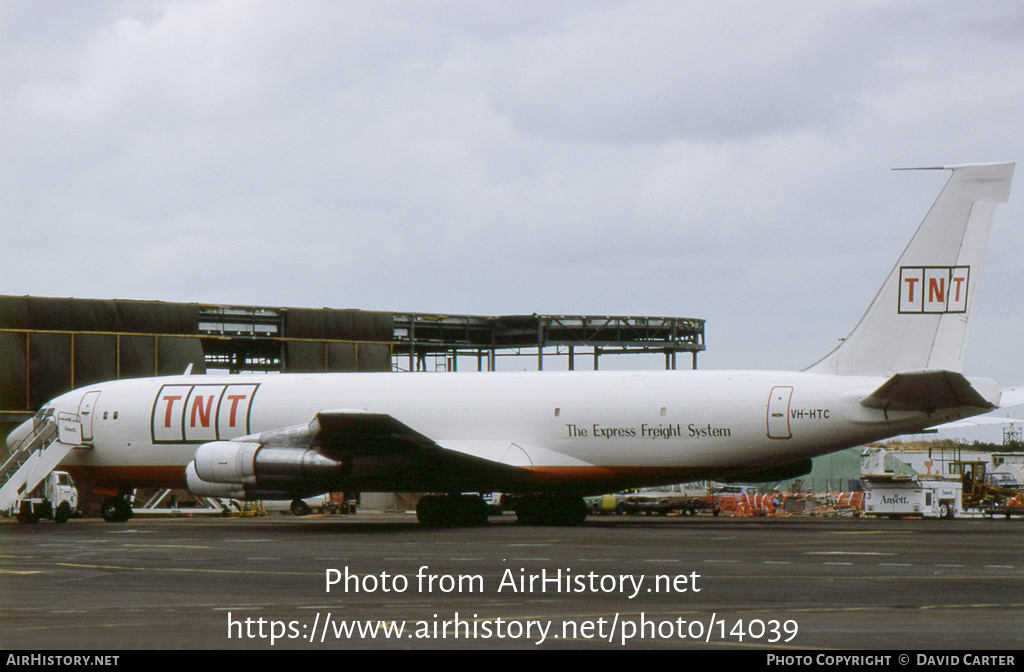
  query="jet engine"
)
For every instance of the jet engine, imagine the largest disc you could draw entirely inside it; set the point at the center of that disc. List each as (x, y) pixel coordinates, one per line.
(250, 470)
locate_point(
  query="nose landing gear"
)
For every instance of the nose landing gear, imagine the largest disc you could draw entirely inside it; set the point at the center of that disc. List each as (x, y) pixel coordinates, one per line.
(116, 510)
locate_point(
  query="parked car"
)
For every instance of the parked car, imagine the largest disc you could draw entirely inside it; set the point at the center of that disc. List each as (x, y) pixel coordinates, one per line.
(689, 498)
(606, 504)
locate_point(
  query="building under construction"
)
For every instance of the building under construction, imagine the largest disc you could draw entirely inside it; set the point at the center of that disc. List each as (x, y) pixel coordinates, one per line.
(51, 345)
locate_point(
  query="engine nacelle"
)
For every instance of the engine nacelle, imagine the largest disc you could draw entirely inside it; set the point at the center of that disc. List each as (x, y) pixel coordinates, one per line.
(248, 470)
(201, 488)
(227, 462)
(254, 464)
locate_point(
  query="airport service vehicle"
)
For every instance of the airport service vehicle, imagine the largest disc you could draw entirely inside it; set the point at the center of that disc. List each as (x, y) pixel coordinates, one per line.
(550, 438)
(56, 497)
(892, 489)
(686, 497)
(323, 503)
(925, 497)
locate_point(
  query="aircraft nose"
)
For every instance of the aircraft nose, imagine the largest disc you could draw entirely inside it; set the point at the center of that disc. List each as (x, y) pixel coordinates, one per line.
(19, 434)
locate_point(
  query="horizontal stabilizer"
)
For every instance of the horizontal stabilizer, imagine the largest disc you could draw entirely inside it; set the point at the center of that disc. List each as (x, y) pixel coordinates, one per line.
(981, 421)
(930, 391)
(1012, 396)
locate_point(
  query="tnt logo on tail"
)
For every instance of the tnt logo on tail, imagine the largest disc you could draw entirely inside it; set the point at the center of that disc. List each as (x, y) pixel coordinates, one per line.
(933, 289)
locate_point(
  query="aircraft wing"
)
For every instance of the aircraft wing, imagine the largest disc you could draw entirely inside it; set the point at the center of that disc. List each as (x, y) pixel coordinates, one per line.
(930, 391)
(350, 433)
(377, 445)
(356, 432)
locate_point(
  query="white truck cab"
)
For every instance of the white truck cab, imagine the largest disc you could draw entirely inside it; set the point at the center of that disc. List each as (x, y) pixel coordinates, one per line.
(56, 497)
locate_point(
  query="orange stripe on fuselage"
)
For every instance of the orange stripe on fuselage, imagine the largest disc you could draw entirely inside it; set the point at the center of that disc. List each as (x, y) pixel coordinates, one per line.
(642, 475)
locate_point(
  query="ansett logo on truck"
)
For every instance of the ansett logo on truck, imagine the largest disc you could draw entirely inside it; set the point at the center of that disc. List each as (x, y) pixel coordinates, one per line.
(201, 413)
(934, 289)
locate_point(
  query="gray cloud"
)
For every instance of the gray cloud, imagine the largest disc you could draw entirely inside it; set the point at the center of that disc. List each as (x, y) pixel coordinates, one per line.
(727, 160)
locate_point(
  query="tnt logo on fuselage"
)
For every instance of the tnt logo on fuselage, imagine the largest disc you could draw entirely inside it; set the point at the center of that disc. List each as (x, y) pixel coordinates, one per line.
(201, 413)
(934, 289)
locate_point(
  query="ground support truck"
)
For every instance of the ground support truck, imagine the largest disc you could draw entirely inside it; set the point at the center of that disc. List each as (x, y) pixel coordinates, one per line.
(913, 496)
(890, 490)
(56, 497)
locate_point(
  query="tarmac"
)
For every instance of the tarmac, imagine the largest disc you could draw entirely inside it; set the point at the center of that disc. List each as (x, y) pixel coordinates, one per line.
(775, 584)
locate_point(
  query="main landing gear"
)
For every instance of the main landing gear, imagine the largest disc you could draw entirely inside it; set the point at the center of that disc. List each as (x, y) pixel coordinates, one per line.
(562, 510)
(471, 511)
(452, 511)
(116, 510)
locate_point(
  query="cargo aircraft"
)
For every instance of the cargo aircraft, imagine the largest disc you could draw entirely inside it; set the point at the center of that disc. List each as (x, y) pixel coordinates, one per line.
(552, 437)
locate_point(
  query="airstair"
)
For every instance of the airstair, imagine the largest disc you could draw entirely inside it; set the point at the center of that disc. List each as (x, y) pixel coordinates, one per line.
(31, 461)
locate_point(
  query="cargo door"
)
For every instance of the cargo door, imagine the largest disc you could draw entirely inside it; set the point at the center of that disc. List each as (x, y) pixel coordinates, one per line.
(85, 413)
(778, 412)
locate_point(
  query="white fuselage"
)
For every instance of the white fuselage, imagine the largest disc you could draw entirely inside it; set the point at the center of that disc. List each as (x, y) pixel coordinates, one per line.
(544, 431)
(593, 429)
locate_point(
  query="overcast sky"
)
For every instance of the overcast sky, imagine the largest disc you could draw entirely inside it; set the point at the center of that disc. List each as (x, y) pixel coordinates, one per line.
(727, 160)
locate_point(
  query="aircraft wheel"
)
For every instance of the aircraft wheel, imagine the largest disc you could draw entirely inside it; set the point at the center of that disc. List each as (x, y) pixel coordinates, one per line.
(28, 518)
(299, 508)
(567, 510)
(574, 512)
(451, 511)
(428, 511)
(109, 510)
(472, 511)
(116, 510)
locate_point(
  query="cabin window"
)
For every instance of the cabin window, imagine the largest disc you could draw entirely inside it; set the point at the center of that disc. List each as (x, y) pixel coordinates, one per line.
(115, 415)
(558, 412)
(104, 415)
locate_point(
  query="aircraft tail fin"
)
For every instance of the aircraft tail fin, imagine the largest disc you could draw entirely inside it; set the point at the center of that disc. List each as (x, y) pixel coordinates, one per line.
(918, 319)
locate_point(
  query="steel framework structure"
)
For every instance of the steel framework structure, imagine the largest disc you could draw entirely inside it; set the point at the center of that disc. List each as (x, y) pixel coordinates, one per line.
(48, 346)
(419, 336)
